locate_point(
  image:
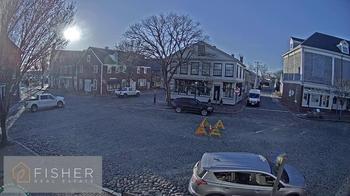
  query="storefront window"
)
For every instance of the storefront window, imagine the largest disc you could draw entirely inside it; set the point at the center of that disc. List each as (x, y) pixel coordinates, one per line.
(228, 89)
(189, 87)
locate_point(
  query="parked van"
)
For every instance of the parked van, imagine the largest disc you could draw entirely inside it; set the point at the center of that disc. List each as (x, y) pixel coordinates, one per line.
(253, 97)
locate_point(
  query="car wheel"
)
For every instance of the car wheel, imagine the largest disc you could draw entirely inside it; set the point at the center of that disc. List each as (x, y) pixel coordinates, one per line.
(178, 109)
(137, 94)
(204, 112)
(293, 194)
(125, 95)
(34, 108)
(60, 104)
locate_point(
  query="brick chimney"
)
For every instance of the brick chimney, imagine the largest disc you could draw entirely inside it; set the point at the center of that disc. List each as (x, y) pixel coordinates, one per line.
(241, 59)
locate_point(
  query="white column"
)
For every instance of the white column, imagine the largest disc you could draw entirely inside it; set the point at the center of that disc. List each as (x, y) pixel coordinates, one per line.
(332, 71)
(301, 64)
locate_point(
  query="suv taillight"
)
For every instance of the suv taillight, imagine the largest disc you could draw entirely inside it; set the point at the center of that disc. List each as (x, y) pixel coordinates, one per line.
(200, 181)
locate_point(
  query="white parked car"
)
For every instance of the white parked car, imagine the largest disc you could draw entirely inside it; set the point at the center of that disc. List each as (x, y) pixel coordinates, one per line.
(44, 100)
(127, 91)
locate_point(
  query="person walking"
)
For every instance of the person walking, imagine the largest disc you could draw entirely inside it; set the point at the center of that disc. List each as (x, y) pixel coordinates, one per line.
(154, 96)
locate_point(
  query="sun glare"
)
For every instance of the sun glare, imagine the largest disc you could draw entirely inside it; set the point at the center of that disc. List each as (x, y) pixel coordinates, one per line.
(72, 33)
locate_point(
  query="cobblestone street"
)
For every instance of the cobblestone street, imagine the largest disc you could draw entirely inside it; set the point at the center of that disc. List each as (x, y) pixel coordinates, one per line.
(150, 148)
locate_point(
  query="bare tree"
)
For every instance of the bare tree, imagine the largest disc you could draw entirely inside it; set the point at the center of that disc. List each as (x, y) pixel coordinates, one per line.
(342, 91)
(260, 70)
(166, 39)
(35, 27)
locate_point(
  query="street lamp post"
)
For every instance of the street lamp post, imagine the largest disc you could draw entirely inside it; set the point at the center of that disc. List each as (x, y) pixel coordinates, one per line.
(195, 90)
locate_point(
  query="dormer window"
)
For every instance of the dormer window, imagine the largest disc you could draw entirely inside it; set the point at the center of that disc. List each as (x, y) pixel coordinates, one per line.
(344, 47)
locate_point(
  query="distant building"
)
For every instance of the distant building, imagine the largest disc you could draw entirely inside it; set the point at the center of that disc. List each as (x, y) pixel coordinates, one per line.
(314, 69)
(211, 75)
(249, 79)
(62, 69)
(10, 56)
(156, 77)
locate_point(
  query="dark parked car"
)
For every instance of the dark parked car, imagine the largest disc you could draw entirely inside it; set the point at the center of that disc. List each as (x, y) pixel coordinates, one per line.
(192, 105)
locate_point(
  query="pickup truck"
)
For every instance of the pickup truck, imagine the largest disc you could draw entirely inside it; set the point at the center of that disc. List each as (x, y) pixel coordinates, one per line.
(44, 100)
(126, 91)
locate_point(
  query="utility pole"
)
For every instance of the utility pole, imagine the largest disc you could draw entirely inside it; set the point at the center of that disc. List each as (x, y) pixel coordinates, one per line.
(257, 65)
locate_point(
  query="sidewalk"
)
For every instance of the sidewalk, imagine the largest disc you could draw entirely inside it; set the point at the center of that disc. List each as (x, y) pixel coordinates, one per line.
(328, 116)
(230, 109)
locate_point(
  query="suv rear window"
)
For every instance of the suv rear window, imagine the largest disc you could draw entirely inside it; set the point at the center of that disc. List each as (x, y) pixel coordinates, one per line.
(200, 170)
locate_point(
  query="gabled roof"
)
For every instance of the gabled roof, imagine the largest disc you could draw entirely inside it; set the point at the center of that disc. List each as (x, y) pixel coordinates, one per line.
(223, 52)
(325, 42)
(229, 161)
(106, 56)
(66, 57)
(297, 39)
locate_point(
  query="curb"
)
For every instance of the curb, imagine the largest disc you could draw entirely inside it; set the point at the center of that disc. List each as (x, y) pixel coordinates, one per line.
(325, 120)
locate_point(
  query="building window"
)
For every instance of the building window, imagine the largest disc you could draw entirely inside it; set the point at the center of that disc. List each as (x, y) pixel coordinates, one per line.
(109, 69)
(94, 84)
(205, 69)
(110, 87)
(201, 49)
(145, 70)
(118, 69)
(240, 72)
(138, 69)
(142, 82)
(344, 47)
(194, 68)
(88, 58)
(190, 87)
(81, 69)
(184, 69)
(217, 69)
(229, 70)
(113, 69)
(228, 89)
(237, 71)
(334, 100)
(95, 68)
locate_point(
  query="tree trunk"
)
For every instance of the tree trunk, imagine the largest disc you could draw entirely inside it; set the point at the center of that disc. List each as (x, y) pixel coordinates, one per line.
(3, 118)
(168, 93)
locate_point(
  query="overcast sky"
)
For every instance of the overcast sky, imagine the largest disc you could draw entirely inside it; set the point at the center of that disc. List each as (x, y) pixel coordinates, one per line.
(256, 29)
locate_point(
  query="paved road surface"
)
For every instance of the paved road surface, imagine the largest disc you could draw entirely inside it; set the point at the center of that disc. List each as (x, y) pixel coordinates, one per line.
(132, 135)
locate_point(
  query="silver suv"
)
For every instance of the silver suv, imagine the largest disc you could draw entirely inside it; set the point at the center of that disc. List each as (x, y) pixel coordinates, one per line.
(239, 173)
